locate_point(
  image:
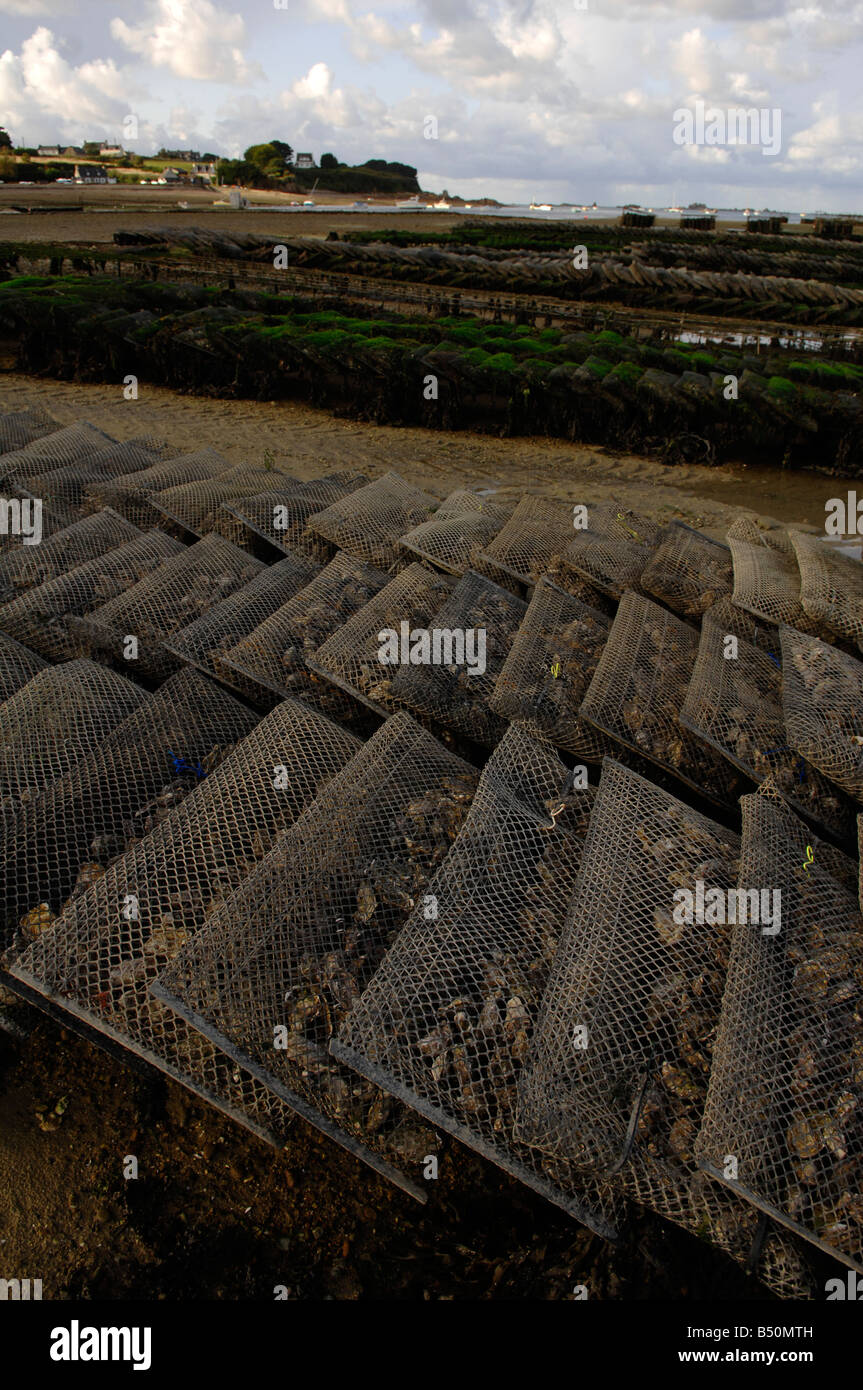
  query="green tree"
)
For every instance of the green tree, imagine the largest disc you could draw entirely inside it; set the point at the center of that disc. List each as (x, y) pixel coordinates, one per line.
(329, 161)
(5, 139)
(91, 149)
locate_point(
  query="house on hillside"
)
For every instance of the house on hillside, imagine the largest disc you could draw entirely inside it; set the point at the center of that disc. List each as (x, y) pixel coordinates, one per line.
(48, 151)
(204, 171)
(304, 161)
(111, 151)
(171, 175)
(90, 173)
(73, 152)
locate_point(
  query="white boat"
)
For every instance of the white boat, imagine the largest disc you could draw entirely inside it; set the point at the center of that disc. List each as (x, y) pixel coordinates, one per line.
(308, 203)
(441, 206)
(409, 203)
(540, 207)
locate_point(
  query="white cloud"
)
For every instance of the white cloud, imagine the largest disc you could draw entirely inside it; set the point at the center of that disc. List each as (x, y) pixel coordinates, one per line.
(192, 39)
(43, 95)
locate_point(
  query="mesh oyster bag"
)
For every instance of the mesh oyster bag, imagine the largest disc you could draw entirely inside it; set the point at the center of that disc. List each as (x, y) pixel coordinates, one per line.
(196, 508)
(185, 587)
(549, 667)
(468, 640)
(822, 699)
(527, 545)
(616, 1075)
(638, 689)
(773, 535)
(17, 665)
(688, 571)
(31, 565)
(612, 552)
(64, 488)
(463, 524)
(285, 959)
(21, 427)
(129, 781)
(207, 640)
(131, 494)
(98, 958)
(445, 1022)
(735, 703)
(272, 658)
(783, 1122)
(831, 587)
(767, 584)
(53, 720)
(351, 657)
(279, 514)
(369, 523)
(43, 618)
(67, 445)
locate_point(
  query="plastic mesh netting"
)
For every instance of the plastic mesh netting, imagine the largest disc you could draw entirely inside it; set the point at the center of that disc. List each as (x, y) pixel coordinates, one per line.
(446, 1021)
(273, 657)
(734, 702)
(21, 427)
(131, 494)
(688, 571)
(463, 524)
(351, 657)
(370, 522)
(196, 507)
(43, 617)
(128, 782)
(184, 588)
(612, 552)
(536, 534)
(767, 584)
(98, 958)
(17, 665)
(52, 721)
(207, 640)
(783, 1122)
(469, 638)
(64, 488)
(52, 450)
(772, 535)
(279, 515)
(822, 699)
(549, 667)
(831, 587)
(617, 1071)
(84, 540)
(286, 958)
(639, 688)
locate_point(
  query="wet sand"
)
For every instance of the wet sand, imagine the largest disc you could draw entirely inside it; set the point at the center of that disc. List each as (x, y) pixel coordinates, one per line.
(312, 439)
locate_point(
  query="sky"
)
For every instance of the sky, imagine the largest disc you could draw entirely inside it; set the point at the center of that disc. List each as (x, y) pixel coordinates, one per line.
(520, 100)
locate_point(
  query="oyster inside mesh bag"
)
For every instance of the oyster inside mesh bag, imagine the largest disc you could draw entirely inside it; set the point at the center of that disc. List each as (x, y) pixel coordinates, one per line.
(21, 427)
(549, 667)
(689, 571)
(613, 550)
(83, 540)
(125, 785)
(735, 703)
(446, 1021)
(65, 445)
(468, 640)
(99, 956)
(130, 493)
(463, 523)
(785, 1098)
(279, 514)
(353, 657)
(526, 546)
(639, 687)
(767, 584)
(182, 589)
(831, 587)
(55, 719)
(284, 961)
(207, 640)
(616, 1075)
(17, 665)
(44, 617)
(822, 697)
(272, 657)
(369, 522)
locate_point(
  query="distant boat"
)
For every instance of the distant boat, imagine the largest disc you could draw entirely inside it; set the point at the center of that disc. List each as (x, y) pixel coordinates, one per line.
(409, 203)
(540, 207)
(308, 203)
(441, 206)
